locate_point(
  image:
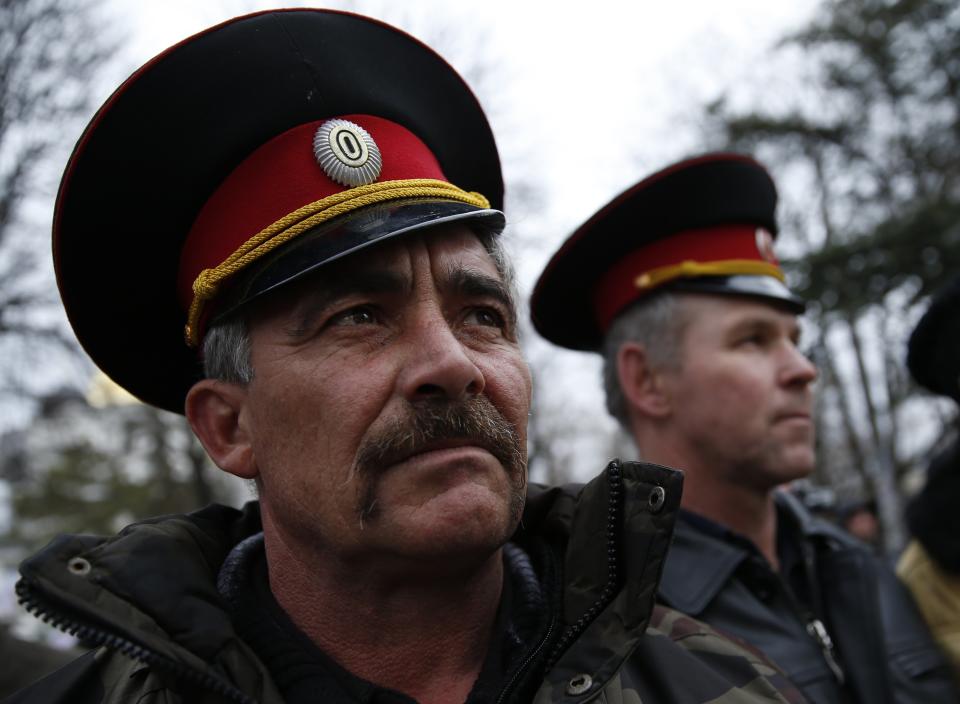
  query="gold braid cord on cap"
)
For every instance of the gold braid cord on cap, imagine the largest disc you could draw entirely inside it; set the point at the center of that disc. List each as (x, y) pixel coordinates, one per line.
(208, 282)
(690, 268)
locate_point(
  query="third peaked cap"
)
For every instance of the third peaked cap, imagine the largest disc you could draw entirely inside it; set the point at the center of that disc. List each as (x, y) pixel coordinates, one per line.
(933, 352)
(706, 224)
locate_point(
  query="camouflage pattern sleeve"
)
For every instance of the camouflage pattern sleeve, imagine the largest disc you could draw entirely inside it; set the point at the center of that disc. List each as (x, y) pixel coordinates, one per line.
(712, 667)
(680, 660)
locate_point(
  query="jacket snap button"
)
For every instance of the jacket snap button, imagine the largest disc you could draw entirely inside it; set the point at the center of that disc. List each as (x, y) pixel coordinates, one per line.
(579, 684)
(656, 499)
(79, 566)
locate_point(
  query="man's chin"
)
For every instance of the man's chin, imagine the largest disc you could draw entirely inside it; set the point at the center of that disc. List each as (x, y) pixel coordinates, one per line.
(447, 553)
(796, 465)
(460, 520)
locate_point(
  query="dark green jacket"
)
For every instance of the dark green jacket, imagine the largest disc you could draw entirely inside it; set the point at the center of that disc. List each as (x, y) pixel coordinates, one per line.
(148, 596)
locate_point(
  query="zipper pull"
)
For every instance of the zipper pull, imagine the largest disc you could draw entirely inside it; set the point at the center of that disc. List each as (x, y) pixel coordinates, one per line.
(816, 629)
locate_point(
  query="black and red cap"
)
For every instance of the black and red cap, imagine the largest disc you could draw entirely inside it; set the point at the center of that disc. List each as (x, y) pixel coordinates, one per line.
(706, 224)
(933, 352)
(243, 158)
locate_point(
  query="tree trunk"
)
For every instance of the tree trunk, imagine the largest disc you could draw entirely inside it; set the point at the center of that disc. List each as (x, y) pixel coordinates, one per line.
(852, 438)
(882, 469)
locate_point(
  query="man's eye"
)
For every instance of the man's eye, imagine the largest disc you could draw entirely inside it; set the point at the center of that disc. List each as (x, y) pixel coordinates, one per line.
(359, 315)
(487, 317)
(752, 340)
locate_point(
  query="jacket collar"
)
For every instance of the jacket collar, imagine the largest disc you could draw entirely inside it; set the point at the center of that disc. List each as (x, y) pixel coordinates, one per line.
(809, 526)
(150, 592)
(705, 554)
(700, 564)
(603, 622)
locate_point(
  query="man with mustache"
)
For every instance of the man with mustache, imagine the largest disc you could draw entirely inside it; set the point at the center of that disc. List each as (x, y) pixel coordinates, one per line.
(307, 203)
(679, 290)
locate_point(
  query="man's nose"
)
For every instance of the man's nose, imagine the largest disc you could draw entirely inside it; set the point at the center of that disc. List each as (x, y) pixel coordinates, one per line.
(797, 368)
(438, 365)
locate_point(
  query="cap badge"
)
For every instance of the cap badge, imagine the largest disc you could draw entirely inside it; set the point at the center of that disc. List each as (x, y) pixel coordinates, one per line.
(347, 153)
(765, 245)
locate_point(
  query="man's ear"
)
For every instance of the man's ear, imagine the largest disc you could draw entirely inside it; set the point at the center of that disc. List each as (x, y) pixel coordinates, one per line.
(642, 386)
(215, 411)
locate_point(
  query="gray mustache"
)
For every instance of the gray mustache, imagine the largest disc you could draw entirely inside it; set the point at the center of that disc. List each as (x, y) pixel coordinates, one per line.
(475, 420)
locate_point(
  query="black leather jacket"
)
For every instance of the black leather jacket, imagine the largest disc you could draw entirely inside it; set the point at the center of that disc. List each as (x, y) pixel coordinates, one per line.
(880, 644)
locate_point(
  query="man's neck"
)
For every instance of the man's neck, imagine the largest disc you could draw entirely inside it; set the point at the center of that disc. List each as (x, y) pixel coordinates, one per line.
(746, 511)
(425, 637)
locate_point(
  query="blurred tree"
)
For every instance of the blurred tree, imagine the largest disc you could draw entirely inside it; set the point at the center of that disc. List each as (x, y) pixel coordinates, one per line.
(867, 156)
(79, 468)
(49, 52)
(74, 467)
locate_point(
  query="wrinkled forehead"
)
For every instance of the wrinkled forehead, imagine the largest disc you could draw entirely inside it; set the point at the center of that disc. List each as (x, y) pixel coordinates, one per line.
(450, 255)
(447, 249)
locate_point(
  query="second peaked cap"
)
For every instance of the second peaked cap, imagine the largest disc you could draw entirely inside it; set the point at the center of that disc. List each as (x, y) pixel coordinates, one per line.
(706, 224)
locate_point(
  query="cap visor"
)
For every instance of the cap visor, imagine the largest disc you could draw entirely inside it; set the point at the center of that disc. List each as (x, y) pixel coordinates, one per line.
(350, 234)
(765, 287)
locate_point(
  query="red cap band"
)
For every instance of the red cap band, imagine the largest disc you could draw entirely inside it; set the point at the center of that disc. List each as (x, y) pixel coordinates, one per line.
(724, 250)
(279, 178)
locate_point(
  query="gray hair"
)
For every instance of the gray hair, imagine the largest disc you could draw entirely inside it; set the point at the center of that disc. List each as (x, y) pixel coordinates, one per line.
(226, 346)
(657, 322)
(226, 350)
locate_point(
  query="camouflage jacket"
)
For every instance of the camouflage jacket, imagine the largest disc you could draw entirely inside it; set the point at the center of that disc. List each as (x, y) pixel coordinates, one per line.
(149, 599)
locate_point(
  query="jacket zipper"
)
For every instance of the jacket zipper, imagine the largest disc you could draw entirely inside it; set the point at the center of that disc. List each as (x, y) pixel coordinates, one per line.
(612, 586)
(815, 626)
(819, 632)
(815, 629)
(34, 604)
(614, 506)
(526, 663)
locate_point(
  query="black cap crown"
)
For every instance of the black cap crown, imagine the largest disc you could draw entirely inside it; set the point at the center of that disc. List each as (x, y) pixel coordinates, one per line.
(933, 352)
